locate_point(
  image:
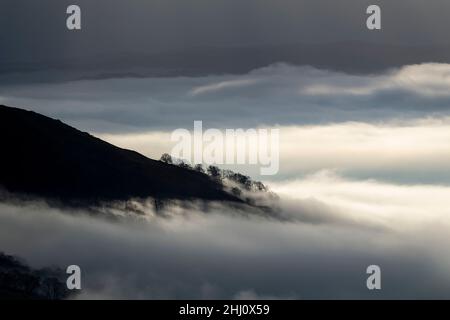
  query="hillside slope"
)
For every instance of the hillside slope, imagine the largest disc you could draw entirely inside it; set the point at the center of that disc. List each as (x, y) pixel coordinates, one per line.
(44, 157)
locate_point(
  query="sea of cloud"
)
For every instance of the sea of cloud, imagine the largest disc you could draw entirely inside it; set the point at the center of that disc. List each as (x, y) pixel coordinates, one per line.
(332, 229)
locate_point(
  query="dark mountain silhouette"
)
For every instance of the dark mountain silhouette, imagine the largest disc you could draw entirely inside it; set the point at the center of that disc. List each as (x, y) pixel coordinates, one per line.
(44, 157)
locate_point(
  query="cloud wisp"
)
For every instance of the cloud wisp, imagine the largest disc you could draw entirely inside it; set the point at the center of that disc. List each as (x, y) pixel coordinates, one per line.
(279, 94)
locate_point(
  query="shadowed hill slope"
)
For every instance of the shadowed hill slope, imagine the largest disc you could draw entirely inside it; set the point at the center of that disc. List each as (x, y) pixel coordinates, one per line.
(44, 157)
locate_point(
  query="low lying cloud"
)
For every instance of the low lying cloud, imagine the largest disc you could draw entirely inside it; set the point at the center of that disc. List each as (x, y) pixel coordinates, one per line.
(403, 229)
(396, 206)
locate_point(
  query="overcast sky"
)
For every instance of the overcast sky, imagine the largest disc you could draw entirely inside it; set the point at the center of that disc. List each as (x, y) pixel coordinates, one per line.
(37, 29)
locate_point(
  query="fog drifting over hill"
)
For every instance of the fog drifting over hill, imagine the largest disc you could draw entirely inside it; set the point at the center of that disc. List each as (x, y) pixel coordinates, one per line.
(340, 228)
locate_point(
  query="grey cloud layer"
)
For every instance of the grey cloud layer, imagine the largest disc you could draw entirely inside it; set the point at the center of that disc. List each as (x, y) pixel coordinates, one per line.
(35, 31)
(200, 37)
(278, 94)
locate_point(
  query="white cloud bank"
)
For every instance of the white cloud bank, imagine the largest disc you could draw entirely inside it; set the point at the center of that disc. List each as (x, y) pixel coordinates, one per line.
(415, 151)
(396, 207)
(430, 80)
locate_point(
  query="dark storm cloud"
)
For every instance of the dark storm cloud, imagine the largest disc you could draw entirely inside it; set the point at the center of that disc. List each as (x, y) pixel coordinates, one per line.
(33, 33)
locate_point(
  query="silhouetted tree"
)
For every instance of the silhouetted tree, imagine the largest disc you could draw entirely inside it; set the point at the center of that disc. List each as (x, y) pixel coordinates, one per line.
(240, 179)
(52, 288)
(259, 186)
(215, 173)
(167, 158)
(199, 168)
(244, 181)
(185, 165)
(17, 280)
